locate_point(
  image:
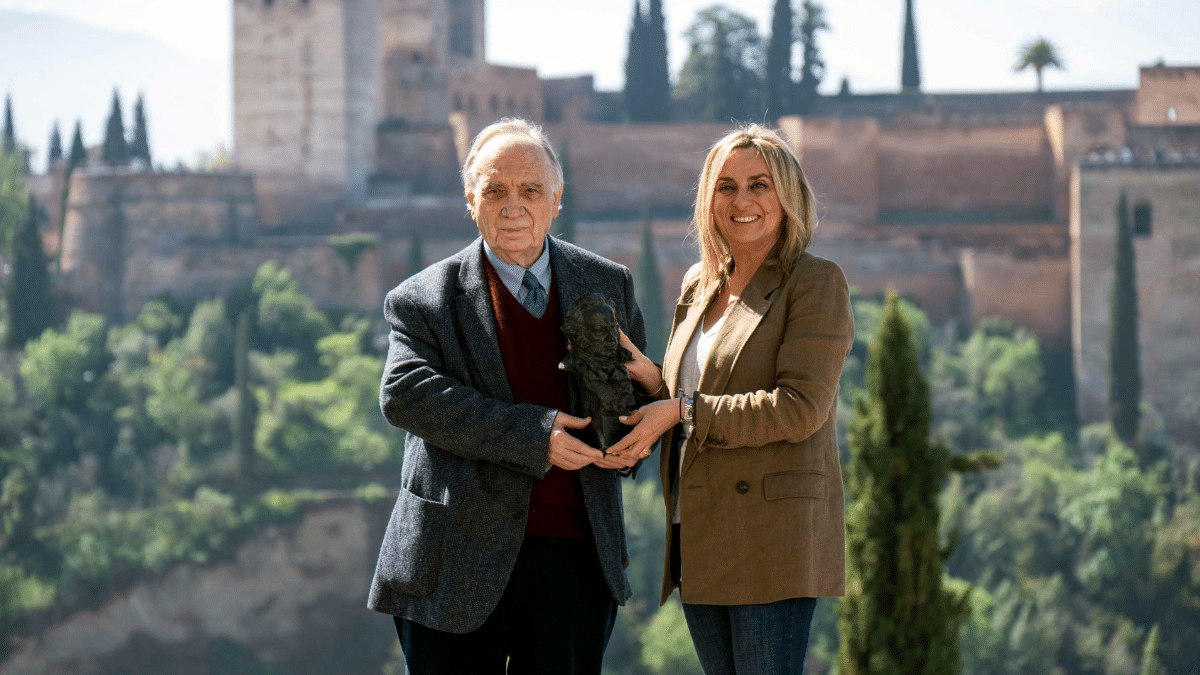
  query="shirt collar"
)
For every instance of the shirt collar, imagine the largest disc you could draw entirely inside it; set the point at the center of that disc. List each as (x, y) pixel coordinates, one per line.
(512, 275)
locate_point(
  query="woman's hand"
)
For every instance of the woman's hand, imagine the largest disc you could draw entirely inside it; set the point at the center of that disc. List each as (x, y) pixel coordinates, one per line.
(641, 369)
(649, 422)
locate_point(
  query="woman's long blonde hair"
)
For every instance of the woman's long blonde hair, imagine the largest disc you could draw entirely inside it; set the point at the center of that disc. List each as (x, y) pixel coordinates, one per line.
(792, 188)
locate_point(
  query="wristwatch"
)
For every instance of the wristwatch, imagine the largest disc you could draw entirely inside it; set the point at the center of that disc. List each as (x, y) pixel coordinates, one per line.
(687, 414)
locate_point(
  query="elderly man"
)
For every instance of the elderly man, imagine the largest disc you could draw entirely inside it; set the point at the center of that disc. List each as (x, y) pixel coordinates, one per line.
(506, 544)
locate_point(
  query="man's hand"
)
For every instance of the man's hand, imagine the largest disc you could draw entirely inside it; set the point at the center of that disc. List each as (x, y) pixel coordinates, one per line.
(566, 451)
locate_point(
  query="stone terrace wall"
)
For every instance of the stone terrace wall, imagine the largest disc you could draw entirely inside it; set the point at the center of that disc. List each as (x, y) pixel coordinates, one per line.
(291, 598)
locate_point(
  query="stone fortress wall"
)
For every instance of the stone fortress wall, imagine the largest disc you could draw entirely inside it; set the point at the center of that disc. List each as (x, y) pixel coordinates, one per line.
(130, 236)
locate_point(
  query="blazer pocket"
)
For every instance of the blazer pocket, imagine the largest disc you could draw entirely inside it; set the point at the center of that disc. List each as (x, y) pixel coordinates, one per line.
(413, 541)
(788, 484)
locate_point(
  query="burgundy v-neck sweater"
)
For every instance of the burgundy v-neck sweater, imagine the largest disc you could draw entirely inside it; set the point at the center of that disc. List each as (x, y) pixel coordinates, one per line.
(531, 349)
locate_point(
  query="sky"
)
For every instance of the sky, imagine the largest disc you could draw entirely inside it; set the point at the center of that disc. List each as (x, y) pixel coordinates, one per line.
(965, 45)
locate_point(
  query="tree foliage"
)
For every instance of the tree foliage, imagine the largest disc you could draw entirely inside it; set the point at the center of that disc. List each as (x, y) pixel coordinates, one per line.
(897, 617)
(648, 284)
(416, 253)
(987, 385)
(778, 79)
(119, 445)
(647, 94)
(635, 57)
(116, 148)
(658, 76)
(910, 67)
(139, 146)
(28, 291)
(78, 154)
(55, 153)
(14, 199)
(1125, 375)
(723, 71)
(1038, 54)
(812, 66)
(566, 220)
(8, 140)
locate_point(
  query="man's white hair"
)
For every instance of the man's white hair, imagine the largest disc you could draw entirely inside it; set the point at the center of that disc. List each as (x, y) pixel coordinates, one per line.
(508, 126)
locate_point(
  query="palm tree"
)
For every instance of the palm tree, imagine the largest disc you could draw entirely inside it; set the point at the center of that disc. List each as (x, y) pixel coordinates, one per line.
(1038, 53)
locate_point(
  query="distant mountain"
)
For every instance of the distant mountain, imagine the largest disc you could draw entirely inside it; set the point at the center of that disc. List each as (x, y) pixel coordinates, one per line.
(56, 68)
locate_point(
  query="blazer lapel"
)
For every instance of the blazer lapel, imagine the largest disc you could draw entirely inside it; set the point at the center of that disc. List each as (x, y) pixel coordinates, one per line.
(567, 277)
(740, 321)
(473, 306)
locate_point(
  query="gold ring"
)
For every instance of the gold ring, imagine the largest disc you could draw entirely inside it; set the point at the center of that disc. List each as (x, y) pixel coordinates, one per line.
(646, 453)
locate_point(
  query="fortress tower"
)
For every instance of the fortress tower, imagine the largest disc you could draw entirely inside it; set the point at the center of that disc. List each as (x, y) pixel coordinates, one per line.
(314, 81)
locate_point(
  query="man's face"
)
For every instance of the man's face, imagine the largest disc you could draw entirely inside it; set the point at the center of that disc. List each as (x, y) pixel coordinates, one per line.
(515, 198)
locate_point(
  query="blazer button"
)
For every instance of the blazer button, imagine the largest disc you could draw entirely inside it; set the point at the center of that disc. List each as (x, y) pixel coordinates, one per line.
(742, 487)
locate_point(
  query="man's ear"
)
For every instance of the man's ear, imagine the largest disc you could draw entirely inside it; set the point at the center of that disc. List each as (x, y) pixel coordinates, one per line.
(557, 202)
(471, 204)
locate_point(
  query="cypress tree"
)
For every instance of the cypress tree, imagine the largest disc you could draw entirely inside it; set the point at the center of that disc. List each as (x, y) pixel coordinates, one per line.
(55, 153)
(812, 68)
(30, 307)
(116, 148)
(656, 69)
(416, 254)
(635, 81)
(247, 406)
(9, 143)
(78, 152)
(566, 213)
(896, 617)
(648, 288)
(910, 70)
(1125, 376)
(139, 147)
(779, 60)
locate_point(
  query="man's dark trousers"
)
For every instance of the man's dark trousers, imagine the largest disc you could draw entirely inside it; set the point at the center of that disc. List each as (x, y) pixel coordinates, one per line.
(554, 618)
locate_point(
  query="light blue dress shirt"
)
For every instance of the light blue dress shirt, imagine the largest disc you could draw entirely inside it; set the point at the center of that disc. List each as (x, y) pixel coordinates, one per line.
(512, 275)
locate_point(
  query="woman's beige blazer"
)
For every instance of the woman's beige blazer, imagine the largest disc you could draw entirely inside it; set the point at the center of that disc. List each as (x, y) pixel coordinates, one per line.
(761, 502)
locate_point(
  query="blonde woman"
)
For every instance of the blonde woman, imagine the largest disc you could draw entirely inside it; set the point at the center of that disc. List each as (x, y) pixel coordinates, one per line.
(750, 471)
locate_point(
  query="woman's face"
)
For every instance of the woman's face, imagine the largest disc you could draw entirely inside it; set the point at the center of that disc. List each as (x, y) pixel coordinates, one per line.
(745, 208)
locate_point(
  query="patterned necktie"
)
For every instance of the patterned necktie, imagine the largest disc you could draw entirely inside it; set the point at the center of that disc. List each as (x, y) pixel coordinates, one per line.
(535, 296)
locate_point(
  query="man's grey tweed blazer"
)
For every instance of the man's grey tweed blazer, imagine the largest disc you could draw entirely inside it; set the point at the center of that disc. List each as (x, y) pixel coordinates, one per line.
(471, 453)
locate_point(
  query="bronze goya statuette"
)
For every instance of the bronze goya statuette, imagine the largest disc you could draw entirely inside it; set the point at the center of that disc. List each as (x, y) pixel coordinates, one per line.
(597, 362)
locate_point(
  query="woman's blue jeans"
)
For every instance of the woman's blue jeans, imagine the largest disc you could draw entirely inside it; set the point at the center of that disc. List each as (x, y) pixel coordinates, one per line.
(770, 639)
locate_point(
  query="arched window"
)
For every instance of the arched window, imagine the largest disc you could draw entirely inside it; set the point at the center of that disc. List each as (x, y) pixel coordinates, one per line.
(471, 104)
(457, 101)
(494, 103)
(1142, 217)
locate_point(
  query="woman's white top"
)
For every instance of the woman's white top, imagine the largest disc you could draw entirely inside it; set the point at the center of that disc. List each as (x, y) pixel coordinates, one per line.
(694, 358)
